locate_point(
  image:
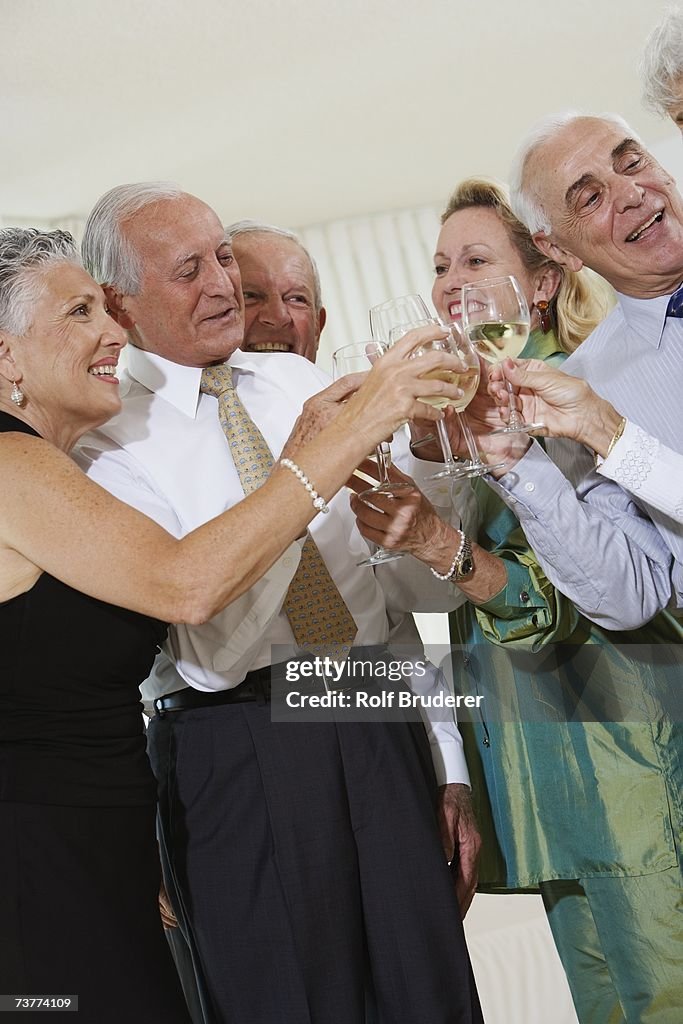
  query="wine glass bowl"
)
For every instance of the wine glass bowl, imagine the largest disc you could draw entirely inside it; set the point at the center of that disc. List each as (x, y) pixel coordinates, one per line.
(495, 318)
(467, 380)
(406, 309)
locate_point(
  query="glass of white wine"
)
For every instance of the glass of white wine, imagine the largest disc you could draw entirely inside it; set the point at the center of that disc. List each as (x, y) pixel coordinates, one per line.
(389, 321)
(495, 318)
(467, 380)
(358, 358)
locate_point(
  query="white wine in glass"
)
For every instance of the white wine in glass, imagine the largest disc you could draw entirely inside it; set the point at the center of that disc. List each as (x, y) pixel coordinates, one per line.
(468, 381)
(389, 321)
(495, 317)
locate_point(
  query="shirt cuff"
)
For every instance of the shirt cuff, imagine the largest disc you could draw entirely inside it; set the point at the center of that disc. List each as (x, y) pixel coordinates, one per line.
(449, 762)
(518, 594)
(532, 486)
(631, 458)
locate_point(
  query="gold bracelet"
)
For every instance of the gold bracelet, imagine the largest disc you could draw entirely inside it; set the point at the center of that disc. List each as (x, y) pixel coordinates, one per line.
(617, 434)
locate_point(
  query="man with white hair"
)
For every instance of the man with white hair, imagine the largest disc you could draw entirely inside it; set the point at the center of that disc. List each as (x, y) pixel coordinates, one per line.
(283, 310)
(308, 855)
(661, 67)
(591, 194)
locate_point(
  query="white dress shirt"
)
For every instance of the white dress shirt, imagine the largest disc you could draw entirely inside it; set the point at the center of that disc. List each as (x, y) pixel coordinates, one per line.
(166, 455)
(616, 556)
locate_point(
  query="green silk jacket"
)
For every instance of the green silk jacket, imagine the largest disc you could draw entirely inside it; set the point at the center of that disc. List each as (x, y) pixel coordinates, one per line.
(576, 753)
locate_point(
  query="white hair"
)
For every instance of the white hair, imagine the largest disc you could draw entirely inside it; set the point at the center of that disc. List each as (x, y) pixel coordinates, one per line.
(25, 253)
(661, 64)
(524, 200)
(107, 255)
(248, 227)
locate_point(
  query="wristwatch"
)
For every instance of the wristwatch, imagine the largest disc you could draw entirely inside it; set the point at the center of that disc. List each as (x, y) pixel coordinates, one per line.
(462, 565)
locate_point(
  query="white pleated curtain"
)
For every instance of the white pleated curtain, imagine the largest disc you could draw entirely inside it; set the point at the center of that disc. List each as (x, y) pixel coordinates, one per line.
(363, 261)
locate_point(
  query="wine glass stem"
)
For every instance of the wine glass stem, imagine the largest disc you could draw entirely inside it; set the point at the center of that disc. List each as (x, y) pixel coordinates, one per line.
(445, 443)
(514, 418)
(469, 440)
(382, 466)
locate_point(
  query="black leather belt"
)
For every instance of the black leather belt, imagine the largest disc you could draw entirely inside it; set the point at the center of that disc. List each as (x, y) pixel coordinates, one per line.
(254, 687)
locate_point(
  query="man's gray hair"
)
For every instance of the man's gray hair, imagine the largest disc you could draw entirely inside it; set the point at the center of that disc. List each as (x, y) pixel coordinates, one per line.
(248, 227)
(525, 204)
(25, 253)
(661, 64)
(107, 254)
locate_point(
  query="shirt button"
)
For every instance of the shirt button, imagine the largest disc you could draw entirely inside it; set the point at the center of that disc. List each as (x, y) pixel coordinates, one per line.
(529, 487)
(524, 597)
(287, 562)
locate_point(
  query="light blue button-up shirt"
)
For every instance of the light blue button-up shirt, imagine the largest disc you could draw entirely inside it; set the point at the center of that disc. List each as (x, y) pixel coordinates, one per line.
(620, 561)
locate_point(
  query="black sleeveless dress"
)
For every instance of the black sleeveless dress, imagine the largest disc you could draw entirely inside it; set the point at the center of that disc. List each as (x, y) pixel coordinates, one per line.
(79, 866)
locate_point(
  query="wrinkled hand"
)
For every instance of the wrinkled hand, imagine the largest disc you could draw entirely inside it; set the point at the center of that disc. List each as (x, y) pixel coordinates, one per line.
(373, 405)
(320, 410)
(405, 521)
(461, 839)
(567, 406)
(168, 918)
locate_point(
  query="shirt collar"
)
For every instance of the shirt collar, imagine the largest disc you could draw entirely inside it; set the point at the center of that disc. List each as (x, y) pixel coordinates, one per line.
(645, 317)
(178, 385)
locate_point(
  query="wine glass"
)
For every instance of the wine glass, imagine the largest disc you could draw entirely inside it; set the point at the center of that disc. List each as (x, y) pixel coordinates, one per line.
(468, 381)
(358, 358)
(390, 321)
(406, 309)
(495, 318)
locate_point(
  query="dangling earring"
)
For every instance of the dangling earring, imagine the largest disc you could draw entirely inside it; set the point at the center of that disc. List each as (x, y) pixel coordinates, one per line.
(16, 394)
(544, 315)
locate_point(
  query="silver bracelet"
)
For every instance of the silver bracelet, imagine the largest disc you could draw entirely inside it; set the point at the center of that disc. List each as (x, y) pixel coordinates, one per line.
(319, 503)
(447, 575)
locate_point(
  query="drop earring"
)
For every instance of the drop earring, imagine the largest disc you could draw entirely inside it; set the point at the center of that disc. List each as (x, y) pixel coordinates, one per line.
(16, 394)
(544, 315)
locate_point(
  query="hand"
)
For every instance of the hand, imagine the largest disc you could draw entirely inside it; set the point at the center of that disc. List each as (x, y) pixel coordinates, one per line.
(320, 410)
(404, 521)
(168, 918)
(567, 406)
(460, 838)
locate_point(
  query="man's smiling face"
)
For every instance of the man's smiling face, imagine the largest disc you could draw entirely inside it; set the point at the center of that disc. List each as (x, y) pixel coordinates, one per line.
(610, 206)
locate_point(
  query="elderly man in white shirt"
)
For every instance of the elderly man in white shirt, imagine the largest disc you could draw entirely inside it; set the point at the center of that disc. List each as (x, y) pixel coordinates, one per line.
(308, 856)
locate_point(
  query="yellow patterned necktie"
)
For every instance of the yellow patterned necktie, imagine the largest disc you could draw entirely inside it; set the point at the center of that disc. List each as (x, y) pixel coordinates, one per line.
(317, 613)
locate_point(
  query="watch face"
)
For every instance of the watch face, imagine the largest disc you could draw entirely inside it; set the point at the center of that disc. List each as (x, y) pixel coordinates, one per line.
(466, 566)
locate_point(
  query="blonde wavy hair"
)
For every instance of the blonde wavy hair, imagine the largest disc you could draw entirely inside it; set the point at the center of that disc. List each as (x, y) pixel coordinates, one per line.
(582, 300)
